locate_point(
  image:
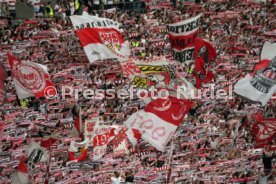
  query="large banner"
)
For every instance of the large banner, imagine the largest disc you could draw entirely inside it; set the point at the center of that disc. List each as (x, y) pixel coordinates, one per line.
(182, 35)
(159, 120)
(100, 38)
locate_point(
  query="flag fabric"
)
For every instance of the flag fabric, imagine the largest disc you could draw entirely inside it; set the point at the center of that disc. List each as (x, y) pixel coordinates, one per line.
(204, 54)
(133, 135)
(36, 154)
(120, 144)
(78, 129)
(182, 38)
(3, 77)
(261, 84)
(159, 120)
(100, 38)
(21, 175)
(49, 140)
(89, 129)
(268, 51)
(78, 151)
(102, 136)
(183, 87)
(144, 74)
(264, 130)
(30, 79)
(158, 73)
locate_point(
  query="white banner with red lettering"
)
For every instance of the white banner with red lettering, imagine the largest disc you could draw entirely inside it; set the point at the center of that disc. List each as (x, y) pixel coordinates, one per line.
(31, 79)
(103, 134)
(159, 120)
(100, 38)
(89, 129)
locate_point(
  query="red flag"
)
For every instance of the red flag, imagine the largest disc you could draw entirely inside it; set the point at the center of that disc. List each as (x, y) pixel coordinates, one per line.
(264, 130)
(171, 110)
(3, 77)
(159, 120)
(31, 79)
(120, 145)
(204, 54)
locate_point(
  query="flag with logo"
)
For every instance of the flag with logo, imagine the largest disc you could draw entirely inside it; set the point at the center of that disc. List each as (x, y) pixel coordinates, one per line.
(182, 38)
(102, 136)
(3, 77)
(204, 54)
(264, 130)
(100, 38)
(260, 85)
(159, 120)
(30, 79)
(144, 74)
(268, 51)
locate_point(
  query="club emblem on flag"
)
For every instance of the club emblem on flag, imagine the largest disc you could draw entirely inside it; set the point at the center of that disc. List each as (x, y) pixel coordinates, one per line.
(265, 78)
(111, 40)
(28, 76)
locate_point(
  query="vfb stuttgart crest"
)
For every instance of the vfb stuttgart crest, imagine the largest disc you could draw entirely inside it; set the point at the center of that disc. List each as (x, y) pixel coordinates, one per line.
(111, 40)
(264, 79)
(28, 76)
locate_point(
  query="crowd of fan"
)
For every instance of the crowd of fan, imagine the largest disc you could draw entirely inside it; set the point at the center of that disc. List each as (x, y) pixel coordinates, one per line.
(213, 145)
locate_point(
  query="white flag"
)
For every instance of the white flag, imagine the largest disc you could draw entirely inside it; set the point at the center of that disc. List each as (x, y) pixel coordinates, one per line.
(100, 38)
(261, 84)
(268, 51)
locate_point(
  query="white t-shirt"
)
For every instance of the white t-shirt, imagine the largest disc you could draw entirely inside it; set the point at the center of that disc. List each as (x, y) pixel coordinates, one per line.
(116, 180)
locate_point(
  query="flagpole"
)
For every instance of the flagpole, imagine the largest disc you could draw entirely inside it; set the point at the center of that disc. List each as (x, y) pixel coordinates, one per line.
(49, 161)
(169, 163)
(80, 119)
